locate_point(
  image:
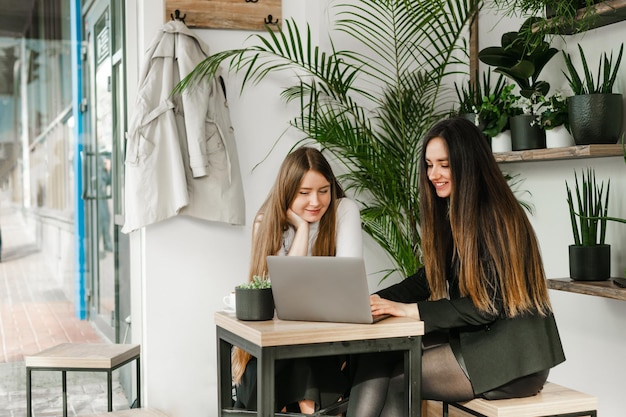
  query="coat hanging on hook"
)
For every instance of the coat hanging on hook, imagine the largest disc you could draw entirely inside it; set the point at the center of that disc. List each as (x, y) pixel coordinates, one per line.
(181, 155)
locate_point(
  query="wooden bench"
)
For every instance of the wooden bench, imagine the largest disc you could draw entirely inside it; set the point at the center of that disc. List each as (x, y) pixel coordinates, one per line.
(554, 400)
(135, 412)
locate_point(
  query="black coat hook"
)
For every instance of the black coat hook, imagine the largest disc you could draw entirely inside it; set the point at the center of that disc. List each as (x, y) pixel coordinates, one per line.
(252, 1)
(269, 20)
(176, 16)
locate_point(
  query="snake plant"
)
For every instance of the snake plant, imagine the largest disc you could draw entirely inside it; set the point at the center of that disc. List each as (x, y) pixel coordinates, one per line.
(588, 213)
(605, 79)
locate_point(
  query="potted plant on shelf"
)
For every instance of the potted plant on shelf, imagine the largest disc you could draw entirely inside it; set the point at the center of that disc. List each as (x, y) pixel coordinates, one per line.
(554, 119)
(589, 256)
(522, 58)
(254, 299)
(495, 110)
(608, 218)
(595, 111)
(470, 98)
(472, 95)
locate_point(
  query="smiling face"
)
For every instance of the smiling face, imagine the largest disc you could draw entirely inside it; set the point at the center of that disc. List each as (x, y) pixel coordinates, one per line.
(438, 166)
(313, 197)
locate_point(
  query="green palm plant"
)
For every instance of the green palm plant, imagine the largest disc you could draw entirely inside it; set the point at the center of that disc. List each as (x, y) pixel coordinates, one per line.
(370, 109)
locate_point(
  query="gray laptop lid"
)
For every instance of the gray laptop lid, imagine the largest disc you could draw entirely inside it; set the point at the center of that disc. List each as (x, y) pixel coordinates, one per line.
(320, 288)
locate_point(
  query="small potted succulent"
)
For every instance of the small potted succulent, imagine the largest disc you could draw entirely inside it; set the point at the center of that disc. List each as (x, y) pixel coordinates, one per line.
(254, 300)
(595, 111)
(589, 256)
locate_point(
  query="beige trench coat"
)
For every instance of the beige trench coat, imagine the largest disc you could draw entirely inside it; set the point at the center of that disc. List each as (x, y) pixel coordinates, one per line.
(181, 156)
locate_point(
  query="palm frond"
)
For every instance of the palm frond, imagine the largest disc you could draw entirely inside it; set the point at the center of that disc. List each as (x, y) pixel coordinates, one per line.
(368, 106)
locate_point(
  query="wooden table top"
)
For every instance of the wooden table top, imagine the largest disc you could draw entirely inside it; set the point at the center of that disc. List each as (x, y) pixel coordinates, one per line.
(283, 332)
(83, 355)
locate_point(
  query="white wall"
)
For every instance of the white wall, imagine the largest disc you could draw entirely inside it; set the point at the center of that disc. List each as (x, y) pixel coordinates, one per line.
(592, 328)
(182, 267)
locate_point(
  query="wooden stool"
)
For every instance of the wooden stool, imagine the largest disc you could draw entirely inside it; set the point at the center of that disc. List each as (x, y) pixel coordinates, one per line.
(85, 357)
(554, 400)
(135, 412)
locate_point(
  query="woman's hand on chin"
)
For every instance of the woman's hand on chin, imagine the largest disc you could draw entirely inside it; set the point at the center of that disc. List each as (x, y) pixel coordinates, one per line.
(294, 219)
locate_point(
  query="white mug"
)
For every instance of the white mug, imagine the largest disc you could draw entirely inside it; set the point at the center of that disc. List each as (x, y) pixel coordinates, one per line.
(229, 301)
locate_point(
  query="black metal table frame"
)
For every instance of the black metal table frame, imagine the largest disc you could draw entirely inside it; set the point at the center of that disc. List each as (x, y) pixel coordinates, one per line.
(64, 370)
(266, 357)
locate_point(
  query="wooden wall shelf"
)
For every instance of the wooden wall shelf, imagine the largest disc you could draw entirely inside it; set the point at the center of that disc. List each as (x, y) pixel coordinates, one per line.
(607, 13)
(606, 289)
(571, 152)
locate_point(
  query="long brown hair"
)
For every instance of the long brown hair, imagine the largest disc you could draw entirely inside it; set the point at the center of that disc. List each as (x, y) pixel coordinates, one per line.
(482, 229)
(271, 221)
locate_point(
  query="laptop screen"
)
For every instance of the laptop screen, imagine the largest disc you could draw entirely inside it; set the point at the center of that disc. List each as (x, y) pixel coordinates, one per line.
(320, 288)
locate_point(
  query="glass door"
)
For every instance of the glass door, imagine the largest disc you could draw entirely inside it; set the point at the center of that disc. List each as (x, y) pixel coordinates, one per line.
(97, 159)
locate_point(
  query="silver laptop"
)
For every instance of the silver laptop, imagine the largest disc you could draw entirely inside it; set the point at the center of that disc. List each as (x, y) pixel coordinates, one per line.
(320, 288)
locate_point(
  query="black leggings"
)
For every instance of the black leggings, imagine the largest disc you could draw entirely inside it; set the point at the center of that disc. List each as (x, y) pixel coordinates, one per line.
(378, 389)
(319, 379)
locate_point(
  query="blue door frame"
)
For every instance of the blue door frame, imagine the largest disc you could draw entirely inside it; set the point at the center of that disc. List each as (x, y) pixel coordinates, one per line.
(80, 301)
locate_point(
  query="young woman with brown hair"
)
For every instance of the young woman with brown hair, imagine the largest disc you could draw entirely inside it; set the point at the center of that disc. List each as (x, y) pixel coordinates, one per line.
(305, 214)
(482, 292)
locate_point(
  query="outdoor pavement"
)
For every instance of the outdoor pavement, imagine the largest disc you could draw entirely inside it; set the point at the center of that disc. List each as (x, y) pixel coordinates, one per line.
(35, 315)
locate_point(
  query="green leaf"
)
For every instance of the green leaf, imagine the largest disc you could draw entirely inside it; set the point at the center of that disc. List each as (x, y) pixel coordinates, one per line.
(606, 74)
(591, 210)
(521, 57)
(368, 107)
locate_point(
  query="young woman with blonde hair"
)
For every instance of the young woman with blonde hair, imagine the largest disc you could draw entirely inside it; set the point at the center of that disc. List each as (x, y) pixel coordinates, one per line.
(305, 214)
(482, 293)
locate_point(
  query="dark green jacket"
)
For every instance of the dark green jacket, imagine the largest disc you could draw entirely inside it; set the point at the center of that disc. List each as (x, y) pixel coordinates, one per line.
(495, 350)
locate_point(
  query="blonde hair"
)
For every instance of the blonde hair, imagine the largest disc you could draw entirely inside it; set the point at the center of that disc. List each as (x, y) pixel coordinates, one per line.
(271, 222)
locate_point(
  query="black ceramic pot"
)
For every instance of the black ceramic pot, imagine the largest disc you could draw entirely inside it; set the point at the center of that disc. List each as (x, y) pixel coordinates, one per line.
(590, 263)
(254, 304)
(472, 117)
(525, 134)
(595, 118)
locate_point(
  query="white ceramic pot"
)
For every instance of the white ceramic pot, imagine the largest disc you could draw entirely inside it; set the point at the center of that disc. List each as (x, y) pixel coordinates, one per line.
(559, 137)
(502, 142)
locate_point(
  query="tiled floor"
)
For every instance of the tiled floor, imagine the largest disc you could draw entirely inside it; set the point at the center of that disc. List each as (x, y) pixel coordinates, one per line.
(35, 315)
